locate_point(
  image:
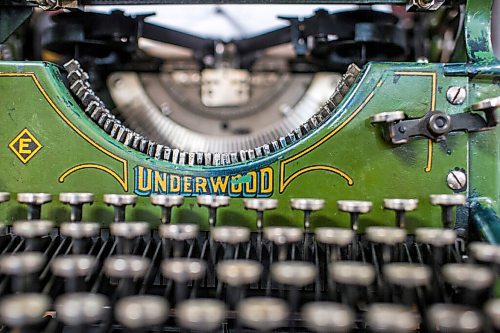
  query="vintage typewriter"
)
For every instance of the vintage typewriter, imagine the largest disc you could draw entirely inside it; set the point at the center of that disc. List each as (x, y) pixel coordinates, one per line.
(337, 174)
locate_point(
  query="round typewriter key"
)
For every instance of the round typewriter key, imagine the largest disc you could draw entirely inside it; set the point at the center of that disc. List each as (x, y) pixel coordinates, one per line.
(447, 202)
(354, 208)
(485, 252)
(120, 202)
(323, 317)
(179, 232)
(474, 281)
(260, 205)
(76, 201)
(205, 315)
(237, 274)
(435, 236)
(283, 237)
(76, 309)
(126, 266)
(77, 230)
(73, 265)
(17, 311)
(352, 273)
(401, 206)
(73, 268)
(34, 202)
(182, 271)
(126, 233)
(335, 239)
(32, 228)
(175, 235)
(391, 318)
(492, 310)
(80, 234)
(407, 274)
(4, 196)
(307, 206)
(129, 230)
(212, 202)
(230, 235)
(23, 267)
(140, 312)
(334, 236)
(167, 202)
(295, 274)
(386, 235)
(453, 318)
(263, 313)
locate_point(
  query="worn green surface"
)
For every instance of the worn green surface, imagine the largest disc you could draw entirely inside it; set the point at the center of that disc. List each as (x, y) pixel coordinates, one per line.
(378, 169)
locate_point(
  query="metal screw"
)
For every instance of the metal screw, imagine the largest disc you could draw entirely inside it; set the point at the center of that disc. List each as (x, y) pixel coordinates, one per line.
(456, 95)
(425, 3)
(457, 180)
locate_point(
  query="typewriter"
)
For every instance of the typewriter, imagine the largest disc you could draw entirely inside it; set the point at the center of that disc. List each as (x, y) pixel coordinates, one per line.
(338, 173)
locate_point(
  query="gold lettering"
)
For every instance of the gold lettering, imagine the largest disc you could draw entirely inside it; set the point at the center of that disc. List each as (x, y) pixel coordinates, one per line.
(187, 184)
(200, 185)
(160, 182)
(24, 144)
(266, 184)
(175, 183)
(220, 184)
(251, 187)
(143, 185)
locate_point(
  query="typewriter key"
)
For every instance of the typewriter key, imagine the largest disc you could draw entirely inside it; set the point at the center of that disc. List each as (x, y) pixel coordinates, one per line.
(73, 268)
(453, 318)
(354, 208)
(354, 277)
(475, 280)
(401, 206)
(335, 239)
(23, 267)
(323, 317)
(126, 233)
(79, 309)
(436, 237)
(492, 310)
(175, 235)
(407, 274)
(283, 237)
(237, 274)
(307, 206)
(447, 202)
(263, 313)
(386, 235)
(167, 202)
(80, 233)
(230, 235)
(295, 274)
(260, 205)
(23, 310)
(485, 253)
(34, 202)
(212, 202)
(120, 202)
(182, 271)
(391, 318)
(141, 312)
(205, 315)
(126, 266)
(76, 201)
(32, 231)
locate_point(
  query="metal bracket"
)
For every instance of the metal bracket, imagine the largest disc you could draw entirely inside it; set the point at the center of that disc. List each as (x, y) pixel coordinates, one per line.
(424, 5)
(436, 125)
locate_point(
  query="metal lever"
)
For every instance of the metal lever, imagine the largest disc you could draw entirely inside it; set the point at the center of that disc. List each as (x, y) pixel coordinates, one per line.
(436, 125)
